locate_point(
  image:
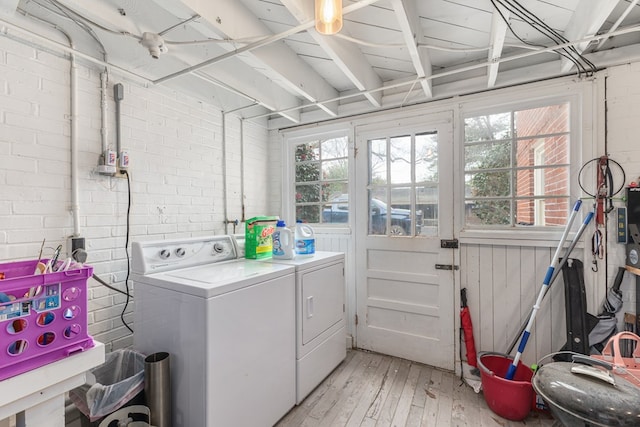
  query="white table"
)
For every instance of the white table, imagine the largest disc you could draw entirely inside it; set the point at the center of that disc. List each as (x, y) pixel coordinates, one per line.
(37, 397)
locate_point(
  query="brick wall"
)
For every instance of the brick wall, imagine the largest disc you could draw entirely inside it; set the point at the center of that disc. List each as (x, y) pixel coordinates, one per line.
(175, 146)
(543, 121)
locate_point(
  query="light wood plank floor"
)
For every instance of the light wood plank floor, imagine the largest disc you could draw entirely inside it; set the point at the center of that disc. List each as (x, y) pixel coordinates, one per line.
(370, 389)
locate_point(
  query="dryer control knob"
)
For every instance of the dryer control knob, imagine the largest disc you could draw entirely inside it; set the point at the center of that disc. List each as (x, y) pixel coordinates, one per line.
(180, 252)
(165, 253)
(218, 247)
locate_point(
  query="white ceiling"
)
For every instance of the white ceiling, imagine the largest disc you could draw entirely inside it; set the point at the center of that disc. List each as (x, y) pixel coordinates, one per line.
(263, 58)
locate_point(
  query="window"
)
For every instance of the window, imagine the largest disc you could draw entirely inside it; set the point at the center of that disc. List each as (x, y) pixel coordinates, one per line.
(516, 167)
(403, 185)
(321, 180)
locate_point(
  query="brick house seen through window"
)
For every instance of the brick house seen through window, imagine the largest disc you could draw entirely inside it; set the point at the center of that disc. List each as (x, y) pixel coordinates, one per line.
(517, 167)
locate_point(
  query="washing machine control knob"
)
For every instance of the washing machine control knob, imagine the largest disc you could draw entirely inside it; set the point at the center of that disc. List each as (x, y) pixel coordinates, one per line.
(218, 248)
(180, 252)
(165, 253)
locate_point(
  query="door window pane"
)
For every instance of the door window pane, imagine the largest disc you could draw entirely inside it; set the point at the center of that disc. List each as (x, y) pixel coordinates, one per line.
(427, 157)
(397, 205)
(400, 159)
(378, 161)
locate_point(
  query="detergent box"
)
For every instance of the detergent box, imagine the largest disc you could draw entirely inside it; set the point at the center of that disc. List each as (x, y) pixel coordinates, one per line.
(259, 236)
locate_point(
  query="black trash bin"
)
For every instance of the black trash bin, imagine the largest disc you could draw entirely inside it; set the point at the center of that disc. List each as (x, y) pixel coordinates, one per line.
(117, 383)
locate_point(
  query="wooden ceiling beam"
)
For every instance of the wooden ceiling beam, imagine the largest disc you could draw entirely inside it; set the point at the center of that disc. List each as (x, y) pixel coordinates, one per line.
(498, 34)
(235, 21)
(409, 23)
(347, 57)
(586, 21)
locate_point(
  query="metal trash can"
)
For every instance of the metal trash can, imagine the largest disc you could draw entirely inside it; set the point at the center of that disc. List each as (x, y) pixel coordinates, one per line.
(157, 388)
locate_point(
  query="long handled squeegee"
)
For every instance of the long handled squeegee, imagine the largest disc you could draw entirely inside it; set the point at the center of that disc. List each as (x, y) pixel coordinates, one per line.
(545, 285)
(556, 272)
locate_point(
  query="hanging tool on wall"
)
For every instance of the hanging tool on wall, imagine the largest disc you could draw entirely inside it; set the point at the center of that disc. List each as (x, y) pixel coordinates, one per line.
(603, 195)
(604, 181)
(597, 249)
(605, 187)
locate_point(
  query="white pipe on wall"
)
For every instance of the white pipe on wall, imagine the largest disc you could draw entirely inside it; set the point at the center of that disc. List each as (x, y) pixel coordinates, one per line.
(242, 167)
(104, 79)
(43, 41)
(73, 147)
(224, 173)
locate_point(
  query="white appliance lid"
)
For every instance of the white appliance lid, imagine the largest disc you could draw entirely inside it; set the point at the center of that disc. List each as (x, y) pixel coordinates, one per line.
(215, 279)
(304, 262)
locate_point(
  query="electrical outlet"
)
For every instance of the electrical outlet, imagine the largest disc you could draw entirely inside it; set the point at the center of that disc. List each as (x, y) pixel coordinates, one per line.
(77, 243)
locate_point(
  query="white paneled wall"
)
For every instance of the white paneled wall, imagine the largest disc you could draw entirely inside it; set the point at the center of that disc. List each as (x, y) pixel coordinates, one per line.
(502, 284)
(175, 144)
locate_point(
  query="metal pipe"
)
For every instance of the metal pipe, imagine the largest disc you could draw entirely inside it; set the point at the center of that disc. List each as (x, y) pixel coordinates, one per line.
(104, 78)
(225, 200)
(72, 50)
(263, 42)
(242, 167)
(73, 148)
(118, 95)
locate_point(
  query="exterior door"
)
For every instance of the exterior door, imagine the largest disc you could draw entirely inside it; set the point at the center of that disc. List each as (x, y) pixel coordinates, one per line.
(404, 207)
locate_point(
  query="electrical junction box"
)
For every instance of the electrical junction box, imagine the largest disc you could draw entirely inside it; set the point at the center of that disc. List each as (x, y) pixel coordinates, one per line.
(110, 158)
(106, 170)
(124, 160)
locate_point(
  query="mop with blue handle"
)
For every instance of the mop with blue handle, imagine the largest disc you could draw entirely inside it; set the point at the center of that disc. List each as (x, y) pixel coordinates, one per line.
(545, 284)
(556, 272)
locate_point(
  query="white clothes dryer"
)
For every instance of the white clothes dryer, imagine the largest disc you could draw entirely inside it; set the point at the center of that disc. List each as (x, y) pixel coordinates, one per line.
(320, 318)
(321, 342)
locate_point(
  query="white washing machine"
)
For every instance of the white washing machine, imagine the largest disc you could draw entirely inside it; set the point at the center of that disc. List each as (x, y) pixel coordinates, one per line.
(229, 325)
(320, 316)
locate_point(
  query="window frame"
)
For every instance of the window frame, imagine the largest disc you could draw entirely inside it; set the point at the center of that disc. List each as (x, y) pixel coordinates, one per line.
(291, 141)
(576, 95)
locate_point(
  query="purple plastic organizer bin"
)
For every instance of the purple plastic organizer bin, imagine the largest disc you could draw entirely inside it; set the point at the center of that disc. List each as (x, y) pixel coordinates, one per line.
(43, 317)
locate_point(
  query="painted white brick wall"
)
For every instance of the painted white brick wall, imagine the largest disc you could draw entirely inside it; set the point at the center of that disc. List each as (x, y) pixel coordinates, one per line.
(623, 104)
(175, 144)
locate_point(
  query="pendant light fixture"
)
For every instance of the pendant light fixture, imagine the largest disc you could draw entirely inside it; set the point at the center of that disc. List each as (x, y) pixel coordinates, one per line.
(328, 16)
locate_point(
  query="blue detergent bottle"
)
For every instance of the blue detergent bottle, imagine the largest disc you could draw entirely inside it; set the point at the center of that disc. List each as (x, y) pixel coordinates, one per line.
(305, 240)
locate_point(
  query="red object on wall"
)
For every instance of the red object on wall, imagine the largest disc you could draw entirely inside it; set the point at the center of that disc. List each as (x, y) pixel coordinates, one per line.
(602, 190)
